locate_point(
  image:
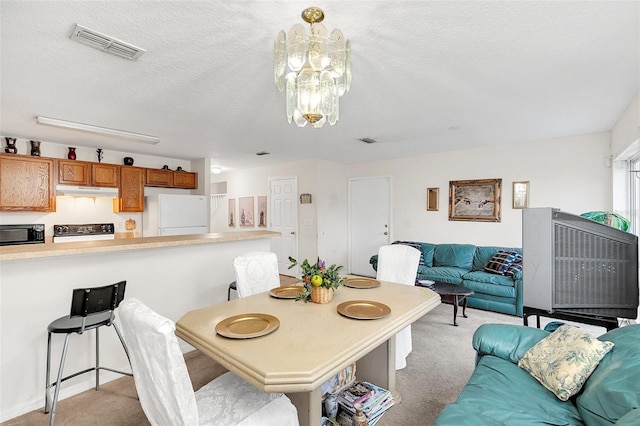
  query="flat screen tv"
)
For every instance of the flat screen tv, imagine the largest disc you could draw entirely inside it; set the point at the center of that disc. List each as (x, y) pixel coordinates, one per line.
(576, 265)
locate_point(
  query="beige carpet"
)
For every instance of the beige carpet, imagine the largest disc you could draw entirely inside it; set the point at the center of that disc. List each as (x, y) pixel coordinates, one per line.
(440, 364)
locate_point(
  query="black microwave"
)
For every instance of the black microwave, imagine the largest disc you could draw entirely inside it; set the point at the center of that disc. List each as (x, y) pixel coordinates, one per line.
(32, 233)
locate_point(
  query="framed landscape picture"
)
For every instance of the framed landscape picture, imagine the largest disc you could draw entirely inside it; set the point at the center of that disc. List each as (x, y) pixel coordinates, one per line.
(246, 211)
(262, 211)
(232, 213)
(475, 200)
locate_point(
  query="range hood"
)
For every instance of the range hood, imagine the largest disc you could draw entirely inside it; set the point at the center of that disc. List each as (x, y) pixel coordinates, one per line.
(86, 191)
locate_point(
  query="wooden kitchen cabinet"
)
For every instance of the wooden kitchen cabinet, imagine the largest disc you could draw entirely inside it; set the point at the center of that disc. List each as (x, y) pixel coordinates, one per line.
(131, 194)
(159, 177)
(27, 183)
(187, 180)
(73, 172)
(106, 175)
(84, 173)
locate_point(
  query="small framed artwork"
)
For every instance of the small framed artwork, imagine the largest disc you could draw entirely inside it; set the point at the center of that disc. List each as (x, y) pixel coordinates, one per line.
(521, 195)
(432, 199)
(475, 200)
(245, 205)
(232, 213)
(262, 211)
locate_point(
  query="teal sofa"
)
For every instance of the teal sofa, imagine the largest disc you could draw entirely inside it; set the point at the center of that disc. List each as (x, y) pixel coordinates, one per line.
(501, 393)
(463, 264)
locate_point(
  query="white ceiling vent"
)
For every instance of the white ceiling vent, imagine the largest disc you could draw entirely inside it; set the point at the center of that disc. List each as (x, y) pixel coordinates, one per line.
(106, 43)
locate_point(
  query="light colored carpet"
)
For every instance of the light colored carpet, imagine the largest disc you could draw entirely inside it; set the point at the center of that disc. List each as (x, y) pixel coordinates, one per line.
(441, 363)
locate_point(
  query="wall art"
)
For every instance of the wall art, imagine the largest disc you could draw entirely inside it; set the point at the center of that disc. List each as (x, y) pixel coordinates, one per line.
(432, 199)
(520, 195)
(475, 200)
(262, 211)
(246, 211)
(232, 213)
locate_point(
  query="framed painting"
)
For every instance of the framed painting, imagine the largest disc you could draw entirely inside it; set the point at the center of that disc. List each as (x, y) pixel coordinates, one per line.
(432, 199)
(232, 213)
(520, 195)
(245, 204)
(475, 200)
(262, 211)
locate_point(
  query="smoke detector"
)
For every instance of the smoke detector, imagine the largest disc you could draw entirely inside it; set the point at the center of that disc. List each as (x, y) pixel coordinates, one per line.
(106, 43)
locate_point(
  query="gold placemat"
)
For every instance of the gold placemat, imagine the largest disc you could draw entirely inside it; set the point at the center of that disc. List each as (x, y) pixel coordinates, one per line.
(286, 292)
(363, 309)
(247, 326)
(361, 283)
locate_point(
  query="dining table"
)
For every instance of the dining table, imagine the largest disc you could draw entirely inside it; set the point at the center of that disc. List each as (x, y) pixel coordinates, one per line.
(279, 344)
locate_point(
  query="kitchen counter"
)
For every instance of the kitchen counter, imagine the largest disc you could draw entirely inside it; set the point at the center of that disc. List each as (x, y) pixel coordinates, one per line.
(49, 249)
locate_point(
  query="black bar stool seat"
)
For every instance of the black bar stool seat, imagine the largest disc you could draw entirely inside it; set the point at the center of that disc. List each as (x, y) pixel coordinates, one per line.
(91, 308)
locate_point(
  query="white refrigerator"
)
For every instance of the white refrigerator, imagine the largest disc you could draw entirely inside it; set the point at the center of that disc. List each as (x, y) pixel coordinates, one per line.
(175, 214)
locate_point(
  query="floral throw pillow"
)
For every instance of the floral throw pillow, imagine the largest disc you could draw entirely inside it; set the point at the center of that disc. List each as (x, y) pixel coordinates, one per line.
(563, 361)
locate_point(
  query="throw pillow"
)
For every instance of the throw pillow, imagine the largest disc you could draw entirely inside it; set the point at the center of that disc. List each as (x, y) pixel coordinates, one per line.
(416, 246)
(515, 266)
(500, 262)
(563, 361)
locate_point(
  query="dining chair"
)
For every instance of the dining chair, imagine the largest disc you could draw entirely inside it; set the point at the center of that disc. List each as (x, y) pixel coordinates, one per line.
(256, 272)
(165, 390)
(91, 308)
(398, 263)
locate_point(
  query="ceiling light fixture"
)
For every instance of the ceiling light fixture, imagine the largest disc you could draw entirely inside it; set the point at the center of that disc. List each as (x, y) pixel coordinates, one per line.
(216, 169)
(95, 129)
(313, 70)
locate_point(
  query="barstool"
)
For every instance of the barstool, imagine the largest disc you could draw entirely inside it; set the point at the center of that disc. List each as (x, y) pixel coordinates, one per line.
(91, 308)
(232, 286)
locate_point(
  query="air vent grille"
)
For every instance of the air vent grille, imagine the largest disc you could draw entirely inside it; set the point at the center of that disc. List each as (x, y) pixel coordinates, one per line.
(106, 43)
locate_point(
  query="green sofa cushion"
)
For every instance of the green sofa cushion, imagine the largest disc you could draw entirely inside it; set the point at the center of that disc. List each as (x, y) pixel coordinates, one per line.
(484, 254)
(443, 274)
(427, 250)
(516, 398)
(489, 278)
(457, 255)
(490, 289)
(612, 389)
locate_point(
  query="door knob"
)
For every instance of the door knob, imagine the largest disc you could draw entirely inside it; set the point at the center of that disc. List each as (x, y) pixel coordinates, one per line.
(386, 233)
(293, 233)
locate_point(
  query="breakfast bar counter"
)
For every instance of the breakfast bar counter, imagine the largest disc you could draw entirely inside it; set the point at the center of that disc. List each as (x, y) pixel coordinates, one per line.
(34, 251)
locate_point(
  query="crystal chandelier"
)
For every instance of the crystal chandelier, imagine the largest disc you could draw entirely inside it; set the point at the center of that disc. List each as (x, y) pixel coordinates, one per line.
(313, 70)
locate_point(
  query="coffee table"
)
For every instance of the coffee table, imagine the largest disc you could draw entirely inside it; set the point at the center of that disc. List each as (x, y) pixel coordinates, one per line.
(451, 293)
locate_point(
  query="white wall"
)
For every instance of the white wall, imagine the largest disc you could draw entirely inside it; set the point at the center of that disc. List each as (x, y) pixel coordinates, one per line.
(568, 173)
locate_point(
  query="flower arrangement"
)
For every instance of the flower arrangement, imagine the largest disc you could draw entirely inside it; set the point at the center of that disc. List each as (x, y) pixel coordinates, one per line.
(317, 275)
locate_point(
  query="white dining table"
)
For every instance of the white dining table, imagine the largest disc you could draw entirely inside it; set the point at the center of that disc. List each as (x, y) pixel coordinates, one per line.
(312, 343)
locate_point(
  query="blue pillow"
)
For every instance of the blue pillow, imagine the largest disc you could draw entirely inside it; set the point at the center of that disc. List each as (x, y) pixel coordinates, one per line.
(500, 262)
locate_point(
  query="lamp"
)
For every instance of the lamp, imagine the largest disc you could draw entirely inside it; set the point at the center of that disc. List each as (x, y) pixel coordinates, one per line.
(95, 129)
(313, 70)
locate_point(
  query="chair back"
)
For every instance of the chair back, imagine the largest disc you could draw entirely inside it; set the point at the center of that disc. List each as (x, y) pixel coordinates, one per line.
(398, 263)
(159, 371)
(96, 300)
(256, 272)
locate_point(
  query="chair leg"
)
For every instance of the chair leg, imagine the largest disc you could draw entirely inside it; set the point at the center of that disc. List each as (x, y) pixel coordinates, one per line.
(229, 293)
(47, 402)
(98, 359)
(59, 380)
(124, 346)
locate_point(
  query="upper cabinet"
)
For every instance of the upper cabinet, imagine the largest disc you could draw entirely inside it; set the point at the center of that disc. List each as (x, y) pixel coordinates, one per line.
(186, 180)
(131, 197)
(159, 177)
(27, 183)
(74, 172)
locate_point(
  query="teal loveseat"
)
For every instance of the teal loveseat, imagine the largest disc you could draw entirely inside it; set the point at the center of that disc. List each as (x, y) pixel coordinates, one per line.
(501, 393)
(464, 264)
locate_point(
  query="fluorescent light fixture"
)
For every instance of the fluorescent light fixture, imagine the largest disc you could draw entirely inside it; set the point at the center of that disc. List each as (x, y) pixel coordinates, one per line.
(95, 129)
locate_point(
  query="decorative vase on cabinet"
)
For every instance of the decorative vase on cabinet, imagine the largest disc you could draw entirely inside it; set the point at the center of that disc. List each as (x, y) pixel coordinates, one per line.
(72, 153)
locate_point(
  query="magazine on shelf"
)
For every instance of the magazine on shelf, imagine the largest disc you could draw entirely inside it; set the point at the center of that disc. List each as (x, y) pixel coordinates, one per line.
(375, 401)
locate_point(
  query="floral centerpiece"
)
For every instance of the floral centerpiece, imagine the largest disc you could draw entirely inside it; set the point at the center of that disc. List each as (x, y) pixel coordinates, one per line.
(319, 281)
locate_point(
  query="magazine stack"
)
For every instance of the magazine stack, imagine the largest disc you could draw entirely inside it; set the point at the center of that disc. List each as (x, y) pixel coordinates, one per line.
(374, 399)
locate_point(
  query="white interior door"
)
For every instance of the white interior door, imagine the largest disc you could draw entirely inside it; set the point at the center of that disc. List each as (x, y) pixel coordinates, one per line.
(284, 219)
(369, 221)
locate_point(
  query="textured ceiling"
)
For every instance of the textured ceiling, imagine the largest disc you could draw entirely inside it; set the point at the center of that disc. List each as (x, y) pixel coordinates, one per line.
(427, 76)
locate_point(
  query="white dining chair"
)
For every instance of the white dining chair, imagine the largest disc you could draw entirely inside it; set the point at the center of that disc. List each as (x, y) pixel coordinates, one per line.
(256, 272)
(165, 390)
(398, 263)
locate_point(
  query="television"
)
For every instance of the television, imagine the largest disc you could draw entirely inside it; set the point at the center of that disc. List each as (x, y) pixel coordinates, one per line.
(576, 265)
